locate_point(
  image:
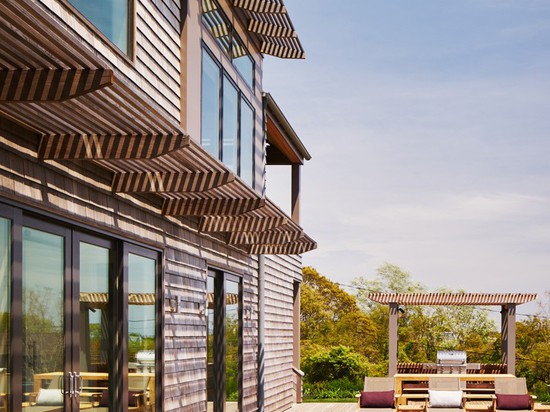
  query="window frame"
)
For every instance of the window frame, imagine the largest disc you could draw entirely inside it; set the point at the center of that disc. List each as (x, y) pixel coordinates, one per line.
(130, 54)
(233, 37)
(241, 98)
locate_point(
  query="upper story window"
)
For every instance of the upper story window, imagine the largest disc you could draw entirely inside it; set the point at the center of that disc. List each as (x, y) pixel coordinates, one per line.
(224, 33)
(111, 17)
(227, 124)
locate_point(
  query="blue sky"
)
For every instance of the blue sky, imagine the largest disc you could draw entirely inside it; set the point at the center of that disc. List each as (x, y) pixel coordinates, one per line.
(428, 123)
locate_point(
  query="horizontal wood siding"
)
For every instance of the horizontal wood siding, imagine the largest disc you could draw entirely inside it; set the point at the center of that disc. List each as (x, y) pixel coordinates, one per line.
(82, 194)
(156, 68)
(281, 272)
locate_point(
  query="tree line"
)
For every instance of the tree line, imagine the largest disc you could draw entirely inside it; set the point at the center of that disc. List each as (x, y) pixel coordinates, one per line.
(344, 335)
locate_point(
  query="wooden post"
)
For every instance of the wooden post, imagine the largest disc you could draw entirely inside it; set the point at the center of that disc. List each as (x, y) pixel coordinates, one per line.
(295, 206)
(393, 337)
(508, 331)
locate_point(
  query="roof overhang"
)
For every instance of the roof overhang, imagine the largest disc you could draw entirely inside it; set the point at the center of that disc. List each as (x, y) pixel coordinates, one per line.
(452, 299)
(284, 145)
(269, 23)
(86, 110)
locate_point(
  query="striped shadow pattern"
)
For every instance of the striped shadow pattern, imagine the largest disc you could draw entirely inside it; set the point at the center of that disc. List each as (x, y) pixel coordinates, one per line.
(169, 182)
(51, 84)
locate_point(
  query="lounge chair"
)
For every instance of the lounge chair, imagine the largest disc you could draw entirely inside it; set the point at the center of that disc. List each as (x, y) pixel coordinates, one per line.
(512, 394)
(378, 395)
(445, 394)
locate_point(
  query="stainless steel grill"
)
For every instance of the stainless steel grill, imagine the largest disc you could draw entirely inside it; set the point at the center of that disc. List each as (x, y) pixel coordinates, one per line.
(451, 361)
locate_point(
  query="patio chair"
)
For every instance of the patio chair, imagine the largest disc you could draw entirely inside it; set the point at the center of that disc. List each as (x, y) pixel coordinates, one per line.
(511, 394)
(378, 395)
(3, 391)
(445, 394)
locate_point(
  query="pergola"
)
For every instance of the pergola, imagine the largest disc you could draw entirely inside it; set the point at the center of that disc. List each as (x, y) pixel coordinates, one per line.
(508, 302)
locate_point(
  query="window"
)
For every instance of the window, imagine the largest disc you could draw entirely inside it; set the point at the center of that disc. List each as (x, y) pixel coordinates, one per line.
(223, 31)
(227, 120)
(111, 17)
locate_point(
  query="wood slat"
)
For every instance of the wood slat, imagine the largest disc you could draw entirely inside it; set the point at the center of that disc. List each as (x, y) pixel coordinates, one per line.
(240, 223)
(269, 29)
(51, 84)
(169, 182)
(90, 147)
(293, 248)
(260, 6)
(210, 207)
(271, 237)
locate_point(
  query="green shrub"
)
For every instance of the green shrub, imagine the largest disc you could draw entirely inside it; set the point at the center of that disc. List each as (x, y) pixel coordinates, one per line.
(540, 389)
(341, 388)
(337, 363)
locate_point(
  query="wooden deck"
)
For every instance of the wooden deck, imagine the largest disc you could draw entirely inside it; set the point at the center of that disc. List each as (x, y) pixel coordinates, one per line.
(324, 407)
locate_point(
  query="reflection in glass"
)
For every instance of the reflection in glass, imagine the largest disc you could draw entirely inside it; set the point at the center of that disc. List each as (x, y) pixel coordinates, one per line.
(247, 143)
(245, 66)
(232, 327)
(141, 331)
(109, 16)
(230, 125)
(43, 345)
(210, 105)
(210, 342)
(95, 339)
(5, 253)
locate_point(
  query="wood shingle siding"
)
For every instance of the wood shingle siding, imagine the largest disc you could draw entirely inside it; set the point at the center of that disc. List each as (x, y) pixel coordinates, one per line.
(51, 187)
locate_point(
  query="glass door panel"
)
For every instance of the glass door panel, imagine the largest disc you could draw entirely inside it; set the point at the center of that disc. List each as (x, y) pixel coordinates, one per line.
(141, 331)
(232, 338)
(95, 325)
(43, 318)
(5, 304)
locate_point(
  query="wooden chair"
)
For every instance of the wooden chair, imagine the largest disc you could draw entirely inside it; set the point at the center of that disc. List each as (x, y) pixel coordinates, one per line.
(445, 394)
(374, 387)
(517, 388)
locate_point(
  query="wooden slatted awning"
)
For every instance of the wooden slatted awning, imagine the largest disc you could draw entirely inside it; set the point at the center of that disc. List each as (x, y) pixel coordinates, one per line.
(269, 23)
(453, 299)
(87, 110)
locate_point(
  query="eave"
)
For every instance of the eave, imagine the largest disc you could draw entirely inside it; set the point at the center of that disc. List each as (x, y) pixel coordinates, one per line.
(86, 110)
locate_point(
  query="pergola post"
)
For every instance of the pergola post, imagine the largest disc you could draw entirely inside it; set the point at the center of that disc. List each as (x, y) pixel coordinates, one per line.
(393, 337)
(508, 331)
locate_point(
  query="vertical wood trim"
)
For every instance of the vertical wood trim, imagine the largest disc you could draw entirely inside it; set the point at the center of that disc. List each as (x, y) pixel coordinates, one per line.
(296, 339)
(219, 342)
(508, 331)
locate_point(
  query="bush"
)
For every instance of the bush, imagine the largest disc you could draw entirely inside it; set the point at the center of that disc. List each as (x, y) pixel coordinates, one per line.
(337, 363)
(540, 389)
(341, 388)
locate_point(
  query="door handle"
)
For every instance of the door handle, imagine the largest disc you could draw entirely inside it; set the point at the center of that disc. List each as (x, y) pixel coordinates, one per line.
(70, 378)
(78, 382)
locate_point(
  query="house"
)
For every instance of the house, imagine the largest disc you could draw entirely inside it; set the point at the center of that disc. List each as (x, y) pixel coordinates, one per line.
(142, 266)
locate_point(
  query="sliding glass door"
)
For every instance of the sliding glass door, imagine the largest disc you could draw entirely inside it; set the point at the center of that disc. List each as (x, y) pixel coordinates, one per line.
(45, 360)
(79, 320)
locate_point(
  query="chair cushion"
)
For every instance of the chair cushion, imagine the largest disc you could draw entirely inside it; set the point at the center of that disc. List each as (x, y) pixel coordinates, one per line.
(376, 399)
(513, 402)
(49, 397)
(445, 399)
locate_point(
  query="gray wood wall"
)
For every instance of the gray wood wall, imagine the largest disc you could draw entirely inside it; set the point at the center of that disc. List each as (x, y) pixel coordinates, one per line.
(83, 195)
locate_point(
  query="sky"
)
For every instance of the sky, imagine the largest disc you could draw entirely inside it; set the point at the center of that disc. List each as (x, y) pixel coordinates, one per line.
(428, 122)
